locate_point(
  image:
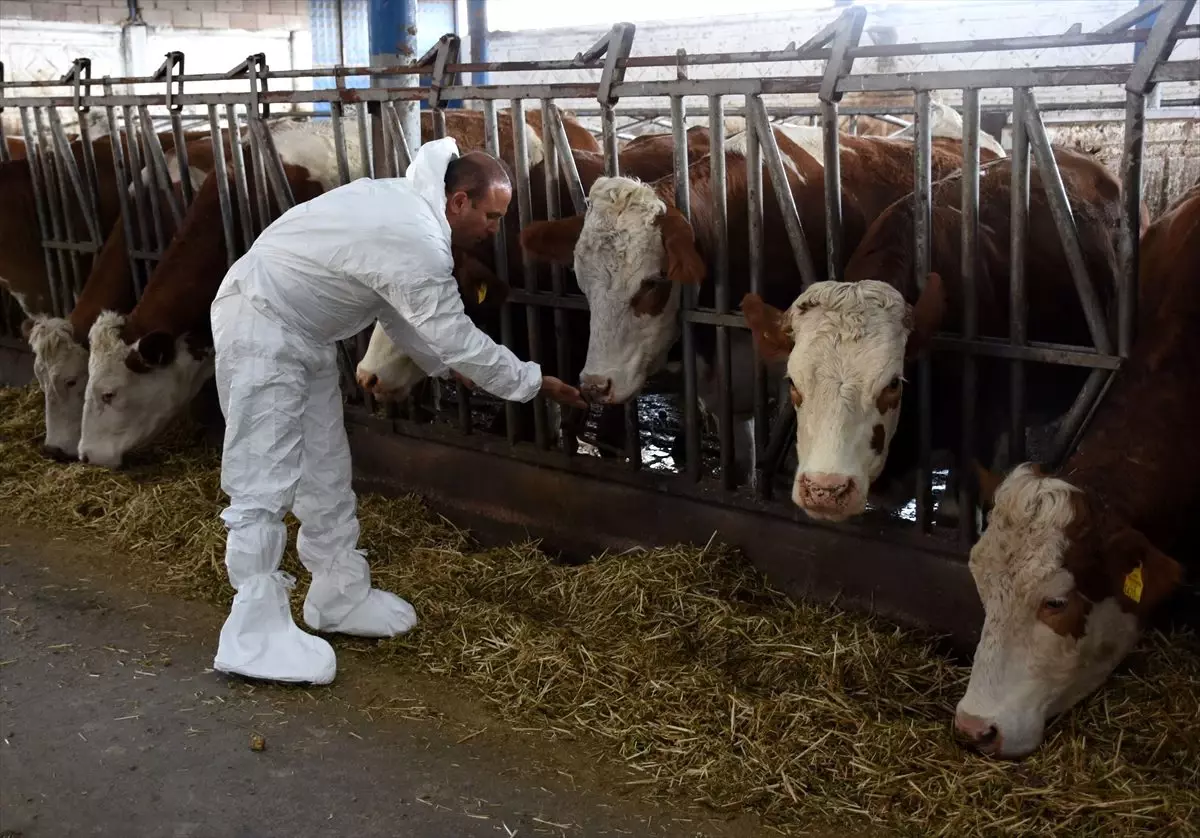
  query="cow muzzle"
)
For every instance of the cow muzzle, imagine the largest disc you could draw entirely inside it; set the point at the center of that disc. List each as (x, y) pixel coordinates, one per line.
(828, 497)
(596, 389)
(55, 453)
(981, 734)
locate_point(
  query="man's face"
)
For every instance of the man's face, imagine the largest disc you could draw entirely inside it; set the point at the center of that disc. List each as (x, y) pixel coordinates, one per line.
(473, 221)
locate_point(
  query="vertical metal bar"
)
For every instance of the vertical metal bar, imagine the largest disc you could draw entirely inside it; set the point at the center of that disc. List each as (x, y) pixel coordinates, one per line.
(339, 141)
(754, 212)
(1131, 206)
(222, 178)
(239, 178)
(160, 181)
(139, 195)
(380, 162)
(970, 247)
(833, 192)
(525, 208)
(258, 168)
(399, 141)
(550, 167)
(181, 159)
(39, 202)
(272, 166)
(720, 216)
(1017, 304)
(5, 156)
(87, 206)
(364, 140)
(1073, 423)
(118, 153)
(683, 201)
(611, 144)
(91, 182)
(569, 170)
(922, 223)
(491, 130)
(60, 214)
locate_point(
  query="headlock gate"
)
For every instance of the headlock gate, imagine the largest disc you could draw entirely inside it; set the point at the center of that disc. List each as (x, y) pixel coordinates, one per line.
(656, 472)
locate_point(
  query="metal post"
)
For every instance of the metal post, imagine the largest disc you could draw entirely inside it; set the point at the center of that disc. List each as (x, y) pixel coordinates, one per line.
(222, 179)
(754, 212)
(477, 30)
(720, 215)
(1018, 304)
(39, 202)
(525, 209)
(366, 159)
(833, 192)
(162, 179)
(691, 403)
(491, 128)
(336, 113)
(393, 28)
(1131, 206)
(608, 126)
(922, 224)
(239, 178)
(181, 158)
(60, 216)
(970, 248)
(553, 119)
(550, 160)
(140, 200)
(118, 152)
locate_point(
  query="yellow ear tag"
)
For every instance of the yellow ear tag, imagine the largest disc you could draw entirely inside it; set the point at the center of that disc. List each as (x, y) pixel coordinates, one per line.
(1133, 584)
(480, 293)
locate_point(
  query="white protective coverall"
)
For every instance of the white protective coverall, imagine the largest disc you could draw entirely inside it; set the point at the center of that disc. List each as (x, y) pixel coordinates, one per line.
(322, 272)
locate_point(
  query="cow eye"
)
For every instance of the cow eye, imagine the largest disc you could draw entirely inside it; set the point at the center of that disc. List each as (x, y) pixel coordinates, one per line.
(1055, 603)
(894, 384)
(107, 397)
(71, 382)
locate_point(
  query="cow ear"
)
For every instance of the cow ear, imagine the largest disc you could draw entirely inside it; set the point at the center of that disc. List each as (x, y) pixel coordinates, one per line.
(927, 316)
(987, 482)
(553, 241)
(478, 283)
(157, 349)
(27, 327)
(684, 264)
(1140, 573)
(771, 329)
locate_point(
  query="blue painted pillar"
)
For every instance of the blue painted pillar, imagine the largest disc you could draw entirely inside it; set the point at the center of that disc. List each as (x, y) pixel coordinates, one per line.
(477, 29)
(393, 26)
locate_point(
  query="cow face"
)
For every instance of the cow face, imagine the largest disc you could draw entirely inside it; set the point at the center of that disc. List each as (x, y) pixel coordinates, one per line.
(60, 364)
(631, 254)
(1063, 588)
(135, 390)
(385, 372)
(845, 344)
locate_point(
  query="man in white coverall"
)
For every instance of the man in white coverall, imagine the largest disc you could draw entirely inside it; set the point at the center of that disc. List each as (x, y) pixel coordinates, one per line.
(327, 268)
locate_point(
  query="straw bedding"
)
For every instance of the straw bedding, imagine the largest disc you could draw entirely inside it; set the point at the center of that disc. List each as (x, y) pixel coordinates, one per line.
(684, 662)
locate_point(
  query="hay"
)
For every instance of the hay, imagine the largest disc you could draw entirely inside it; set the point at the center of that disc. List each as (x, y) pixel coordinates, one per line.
(692, 670)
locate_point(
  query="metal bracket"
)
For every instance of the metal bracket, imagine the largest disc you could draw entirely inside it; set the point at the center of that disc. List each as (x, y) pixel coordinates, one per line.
(1133, 16)
(80, 74)
(167, 70)
(1159, 43)
(255, 69)
(849, 31)
(616, 47)
(444, 52)
(681, 64)
(817, 41)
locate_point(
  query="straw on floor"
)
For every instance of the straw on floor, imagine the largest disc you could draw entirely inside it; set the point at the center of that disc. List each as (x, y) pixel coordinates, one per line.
(684, 662)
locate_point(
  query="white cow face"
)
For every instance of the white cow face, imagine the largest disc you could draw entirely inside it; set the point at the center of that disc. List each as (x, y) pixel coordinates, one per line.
(1063, 589)
(135, 390)
(845, 344)
(631, 254)
(385, 372)
(60, 364)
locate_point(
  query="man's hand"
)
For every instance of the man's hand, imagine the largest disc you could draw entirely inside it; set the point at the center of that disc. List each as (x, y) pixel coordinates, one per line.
(561, 392)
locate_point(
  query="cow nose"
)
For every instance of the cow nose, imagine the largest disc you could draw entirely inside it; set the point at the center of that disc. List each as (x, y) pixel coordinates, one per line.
(55, 453)
(595, 388)
(976, 732)
(368, 382)
(83, 458)
(827, 489)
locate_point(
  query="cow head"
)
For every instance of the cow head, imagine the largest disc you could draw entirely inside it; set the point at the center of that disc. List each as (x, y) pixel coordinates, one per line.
(632, 254)
(134, 390)
(845, 344)
(1064, 589)
(60, 364)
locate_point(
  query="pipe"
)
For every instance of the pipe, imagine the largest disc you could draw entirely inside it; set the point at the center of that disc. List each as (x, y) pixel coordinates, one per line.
(754, 219)
(477, 31)
(683, 201)
(922, 223)
(393, 28)
(970, 247)
(1017, 304)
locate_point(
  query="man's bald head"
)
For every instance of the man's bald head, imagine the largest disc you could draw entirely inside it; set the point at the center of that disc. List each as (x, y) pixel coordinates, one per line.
(478, 192)
(476, 173)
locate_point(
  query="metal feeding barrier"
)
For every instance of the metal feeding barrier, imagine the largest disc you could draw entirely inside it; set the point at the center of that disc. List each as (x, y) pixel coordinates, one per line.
(65, 175)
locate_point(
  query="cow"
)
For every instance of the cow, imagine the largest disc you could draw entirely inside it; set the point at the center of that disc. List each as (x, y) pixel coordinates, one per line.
(633, 251)
(846, 344)
(1073, 565)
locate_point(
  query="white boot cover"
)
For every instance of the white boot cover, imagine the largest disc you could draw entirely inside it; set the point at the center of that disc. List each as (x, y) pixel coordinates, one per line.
(342, 600)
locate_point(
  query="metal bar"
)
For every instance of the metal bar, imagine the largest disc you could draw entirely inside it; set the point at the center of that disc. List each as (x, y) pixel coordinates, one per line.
(367, 160)
(691, 401)
(833, 192)
(39, 202)
(155, 188)
(5, 156)
(967, 491)
(123, 199)
(1060, 210)
(922, 224)
(258, 168)
(754, 212)
(552, 151)
(558, 133)
(491, 130)
(1017, 303)
(60, 216)
(275, 173)
(158, 162)
(1048, 353)
(91, 180)
(783, 193)
(1131, 206)
(222, 177)
(612, 166)
(849, 30)
(720, 263)
(140, 199)
(336, 113)
(87, 206)
(181, 159)
(1159, 44)
(1075, 421)
(1135, 15)
(399, 140)
(240, 184)
(525, 210)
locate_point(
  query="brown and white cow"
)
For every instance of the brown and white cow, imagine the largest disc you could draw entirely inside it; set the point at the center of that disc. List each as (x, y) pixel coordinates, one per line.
(1072, 566)
(846, 344)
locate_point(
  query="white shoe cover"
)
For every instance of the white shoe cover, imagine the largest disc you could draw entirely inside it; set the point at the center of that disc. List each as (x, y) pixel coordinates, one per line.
(261, 640)
(381, 614)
